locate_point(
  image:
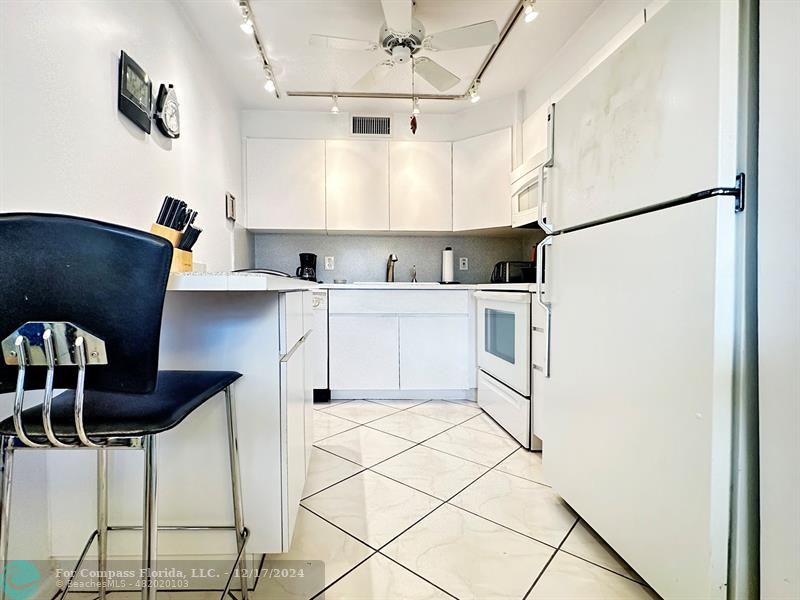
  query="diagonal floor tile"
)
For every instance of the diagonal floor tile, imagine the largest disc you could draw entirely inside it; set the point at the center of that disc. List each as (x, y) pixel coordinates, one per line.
(326, 425)
(399, 404)
(570, 578)
(524, 506)
(470, 557)
(486, 424)
(410, 426)
(325, 469)
(364, 446)
(330, 404)
(524, 463)
(483, 448)
(371, 507)
(452, 412)
(360, 411)
(585, 543)
(314, 539)
(382, 579)
(431, 471)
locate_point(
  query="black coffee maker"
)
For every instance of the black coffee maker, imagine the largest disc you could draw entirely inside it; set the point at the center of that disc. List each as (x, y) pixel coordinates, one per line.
(308, 266)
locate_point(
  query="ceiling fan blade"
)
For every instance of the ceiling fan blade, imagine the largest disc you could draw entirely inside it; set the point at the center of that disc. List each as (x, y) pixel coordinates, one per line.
(435, 74)
(477, 34)
(340, 43)
(375, 75)
(397, 14)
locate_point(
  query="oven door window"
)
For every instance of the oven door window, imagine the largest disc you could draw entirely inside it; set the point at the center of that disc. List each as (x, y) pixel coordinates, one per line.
(499, 334)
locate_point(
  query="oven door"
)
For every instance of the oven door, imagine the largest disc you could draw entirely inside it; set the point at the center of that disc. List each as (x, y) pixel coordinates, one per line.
(504, 321)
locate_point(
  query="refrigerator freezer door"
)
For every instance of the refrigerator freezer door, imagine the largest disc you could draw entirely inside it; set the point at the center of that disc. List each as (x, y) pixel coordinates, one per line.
(638, 411)
(655, 121)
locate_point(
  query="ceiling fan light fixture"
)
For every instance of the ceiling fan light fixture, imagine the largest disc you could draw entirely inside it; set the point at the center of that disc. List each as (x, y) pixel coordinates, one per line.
(335, 107)
(530, 13)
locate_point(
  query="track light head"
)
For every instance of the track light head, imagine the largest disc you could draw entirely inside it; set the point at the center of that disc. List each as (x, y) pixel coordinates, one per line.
(335, 106)
(529, 12)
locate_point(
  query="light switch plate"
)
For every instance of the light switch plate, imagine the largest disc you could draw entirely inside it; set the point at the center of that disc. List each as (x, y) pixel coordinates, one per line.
(463, 263)
(330, 263)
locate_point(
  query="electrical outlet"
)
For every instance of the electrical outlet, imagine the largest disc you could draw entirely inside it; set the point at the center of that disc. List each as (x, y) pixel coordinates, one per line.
(463, 263)
(330, 263)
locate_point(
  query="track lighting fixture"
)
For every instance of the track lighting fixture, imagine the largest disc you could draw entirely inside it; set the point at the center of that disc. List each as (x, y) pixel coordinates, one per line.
(529, 12)
(473, 92)
(416, 110)
(335, 107)
(269, 84)
(247, 26)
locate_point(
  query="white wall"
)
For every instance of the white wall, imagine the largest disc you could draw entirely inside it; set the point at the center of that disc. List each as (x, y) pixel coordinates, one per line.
(779, 298)
(471, 120)
(65, 148)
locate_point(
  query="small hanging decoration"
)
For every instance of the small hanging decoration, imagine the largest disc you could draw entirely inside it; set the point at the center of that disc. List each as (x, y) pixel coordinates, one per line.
(414, 124)
(414, 103)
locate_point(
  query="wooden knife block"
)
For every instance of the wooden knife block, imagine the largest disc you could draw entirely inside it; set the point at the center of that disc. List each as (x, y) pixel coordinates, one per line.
(181, 259)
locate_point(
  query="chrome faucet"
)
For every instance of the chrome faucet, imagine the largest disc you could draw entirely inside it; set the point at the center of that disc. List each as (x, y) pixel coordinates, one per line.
(390, 267)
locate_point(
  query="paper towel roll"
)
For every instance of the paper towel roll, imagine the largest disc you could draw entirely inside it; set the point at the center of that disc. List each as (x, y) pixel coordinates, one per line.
(447, 265)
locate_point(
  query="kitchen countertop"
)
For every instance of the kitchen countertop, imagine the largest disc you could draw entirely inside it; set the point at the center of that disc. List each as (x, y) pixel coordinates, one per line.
(235, 282)
(262, 282)
(407, 285)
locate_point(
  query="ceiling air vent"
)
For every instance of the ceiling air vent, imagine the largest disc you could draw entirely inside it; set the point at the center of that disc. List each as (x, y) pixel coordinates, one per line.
(371, 126)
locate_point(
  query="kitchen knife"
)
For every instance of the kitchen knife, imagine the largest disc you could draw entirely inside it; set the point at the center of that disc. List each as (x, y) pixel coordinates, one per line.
(173, 209)
(179, 208)
(163, 212)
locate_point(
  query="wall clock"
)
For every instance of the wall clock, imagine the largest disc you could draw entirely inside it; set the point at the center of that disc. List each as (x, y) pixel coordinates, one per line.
(168, 118)
(134, 92)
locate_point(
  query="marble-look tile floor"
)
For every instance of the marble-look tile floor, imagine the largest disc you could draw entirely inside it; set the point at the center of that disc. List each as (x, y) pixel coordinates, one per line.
(411, 500)
(417, 500)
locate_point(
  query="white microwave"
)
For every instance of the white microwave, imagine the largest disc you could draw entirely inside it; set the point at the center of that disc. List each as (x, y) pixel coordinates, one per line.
(527, 191)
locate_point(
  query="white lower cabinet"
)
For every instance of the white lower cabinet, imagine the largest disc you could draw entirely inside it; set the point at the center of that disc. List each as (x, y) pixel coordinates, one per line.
(363, 352)
(434, 352)
(401, 340)
(294, 403)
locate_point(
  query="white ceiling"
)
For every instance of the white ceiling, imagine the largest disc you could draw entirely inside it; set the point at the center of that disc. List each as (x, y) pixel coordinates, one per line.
(285, 26)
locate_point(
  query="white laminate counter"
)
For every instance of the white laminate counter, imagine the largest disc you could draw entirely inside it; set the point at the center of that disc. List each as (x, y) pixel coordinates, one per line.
(403, 285)
(235, 282)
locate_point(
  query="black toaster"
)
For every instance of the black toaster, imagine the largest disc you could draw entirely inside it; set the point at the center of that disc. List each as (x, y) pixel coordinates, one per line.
(514, 271)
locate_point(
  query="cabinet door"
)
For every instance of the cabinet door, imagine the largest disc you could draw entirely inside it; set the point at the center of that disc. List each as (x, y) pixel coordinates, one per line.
(357, 185)
(285, 184)
(481, 191)
(293, 415)
(434, 352)
(420, 186)
(363, 352)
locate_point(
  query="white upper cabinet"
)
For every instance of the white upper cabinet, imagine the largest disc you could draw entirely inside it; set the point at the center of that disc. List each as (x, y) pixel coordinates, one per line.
(357, 185)
(480, 181)
(420, 186)
(285, 184)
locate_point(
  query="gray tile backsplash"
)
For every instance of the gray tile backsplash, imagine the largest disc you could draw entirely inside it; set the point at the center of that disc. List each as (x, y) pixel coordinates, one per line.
(363, 257)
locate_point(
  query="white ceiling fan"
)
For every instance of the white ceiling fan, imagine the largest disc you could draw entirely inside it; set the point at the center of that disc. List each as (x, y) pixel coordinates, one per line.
(402, 37)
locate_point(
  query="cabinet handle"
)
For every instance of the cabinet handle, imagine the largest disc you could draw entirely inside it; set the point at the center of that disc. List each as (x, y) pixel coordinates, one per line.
(545, 305)
(548, 163)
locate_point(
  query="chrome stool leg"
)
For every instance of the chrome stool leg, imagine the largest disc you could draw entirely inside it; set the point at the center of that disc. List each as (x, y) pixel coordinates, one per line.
(236, 485)
(150, 525)
(6, 464)
(102, 521)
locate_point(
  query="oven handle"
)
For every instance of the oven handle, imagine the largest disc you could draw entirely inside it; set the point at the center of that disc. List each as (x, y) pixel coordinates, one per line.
(545, 305)
(517, 297)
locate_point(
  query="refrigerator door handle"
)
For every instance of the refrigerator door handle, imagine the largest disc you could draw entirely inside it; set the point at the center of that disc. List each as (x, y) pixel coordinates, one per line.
(545, 305)
(542, 220)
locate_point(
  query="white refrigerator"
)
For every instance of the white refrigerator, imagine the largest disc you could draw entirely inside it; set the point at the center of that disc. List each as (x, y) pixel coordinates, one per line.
(642, 204)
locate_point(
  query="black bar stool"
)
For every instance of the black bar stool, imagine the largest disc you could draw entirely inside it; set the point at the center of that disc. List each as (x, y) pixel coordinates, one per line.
(81, 308)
